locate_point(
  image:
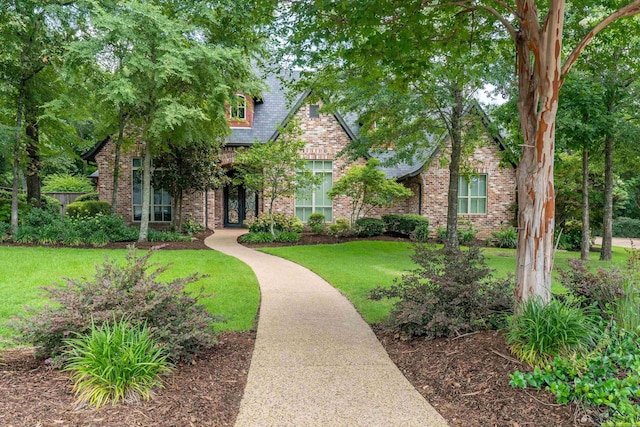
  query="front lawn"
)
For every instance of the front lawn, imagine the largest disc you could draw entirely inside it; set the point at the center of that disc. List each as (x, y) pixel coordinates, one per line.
(357, 267)
(24, 270)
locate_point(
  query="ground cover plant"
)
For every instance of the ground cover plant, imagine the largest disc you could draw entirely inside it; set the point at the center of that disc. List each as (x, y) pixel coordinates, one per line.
(28, 269)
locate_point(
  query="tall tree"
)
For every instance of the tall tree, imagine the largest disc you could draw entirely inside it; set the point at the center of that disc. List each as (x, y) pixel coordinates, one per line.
(392, 26)
(181, 62)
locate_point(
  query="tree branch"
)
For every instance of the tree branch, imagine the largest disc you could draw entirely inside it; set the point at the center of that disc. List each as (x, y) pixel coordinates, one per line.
(629, 10)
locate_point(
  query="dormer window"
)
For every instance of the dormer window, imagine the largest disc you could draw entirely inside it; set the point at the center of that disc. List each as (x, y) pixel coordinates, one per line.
(239, 110)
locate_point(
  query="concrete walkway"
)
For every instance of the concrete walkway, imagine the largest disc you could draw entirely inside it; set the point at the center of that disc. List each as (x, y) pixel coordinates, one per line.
(316, 362)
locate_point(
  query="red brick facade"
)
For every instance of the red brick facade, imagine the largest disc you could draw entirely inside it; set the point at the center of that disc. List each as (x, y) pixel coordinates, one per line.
(325, 138)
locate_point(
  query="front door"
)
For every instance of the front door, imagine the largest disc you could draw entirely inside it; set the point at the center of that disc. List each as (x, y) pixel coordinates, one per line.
(240, 204)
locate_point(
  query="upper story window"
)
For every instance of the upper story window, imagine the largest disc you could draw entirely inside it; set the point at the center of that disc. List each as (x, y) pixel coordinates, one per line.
(239, 110)
(314, 111)
(472, 196)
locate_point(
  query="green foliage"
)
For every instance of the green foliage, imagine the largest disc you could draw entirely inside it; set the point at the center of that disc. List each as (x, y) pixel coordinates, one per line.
(450, 293)
(420, 234)
(115, 362)
(67, 183)
(340, 228)
(132, 291)
(4, 231)
(287, 237)
(257, 237)
(367, 188)
(368, 227)
(606, 379)
(467, 235)
(88, 209)
(190, 226)
(601, 289)
(506, 237)
(166, 236)
(626, 310)
(316, 222)
(93, 196)
(441, 234)
(626, 227)
(403, 224)
(281, 222)
(571, 237)
(540, 331)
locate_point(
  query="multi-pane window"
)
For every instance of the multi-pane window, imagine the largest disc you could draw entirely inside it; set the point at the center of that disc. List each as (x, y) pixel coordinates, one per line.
(315, 199)
(472, 196)
(160, 203)
(239, 110)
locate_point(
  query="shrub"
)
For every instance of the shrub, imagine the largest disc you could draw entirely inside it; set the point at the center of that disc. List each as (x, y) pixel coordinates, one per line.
(368, 227)
(281, 222)
(190, 226)
(420, 234)
(131, 291)
(571, 237)
(165, 236)
(341, 228)
(88, 209)
(441, 234)
(66, 183)
(92, 196)
(316, 222)
(287, 237)
(403, 224)
(626, 311)
(257, 237)
(606, 380)
(50, 204)
(4, 231)
(626, 227)
(452, 292)
(506, 237)
(602, 288)
(539, 332)
(115, 362)
(467, 234)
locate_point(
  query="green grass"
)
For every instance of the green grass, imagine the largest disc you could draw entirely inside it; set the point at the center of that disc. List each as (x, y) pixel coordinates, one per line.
(24, 270)
(357, 267)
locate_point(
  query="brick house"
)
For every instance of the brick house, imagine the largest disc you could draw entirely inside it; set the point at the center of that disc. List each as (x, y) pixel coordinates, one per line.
(487, 202)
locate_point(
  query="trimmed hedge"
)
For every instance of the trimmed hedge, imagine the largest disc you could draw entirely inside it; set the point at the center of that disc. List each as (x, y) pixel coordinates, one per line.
(93, 196)
(369, 227)
(626, 227)
(88, 209)
(403, 224)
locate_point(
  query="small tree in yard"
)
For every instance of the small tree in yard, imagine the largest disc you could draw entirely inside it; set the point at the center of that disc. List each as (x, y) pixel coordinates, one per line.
(368, 188)
(186, 169)
(275, 168)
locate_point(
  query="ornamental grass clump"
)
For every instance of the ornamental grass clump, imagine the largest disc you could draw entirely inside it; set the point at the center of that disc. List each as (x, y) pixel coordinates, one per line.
(452, 292)
(132, 291)
(115, 362)
(540, 331)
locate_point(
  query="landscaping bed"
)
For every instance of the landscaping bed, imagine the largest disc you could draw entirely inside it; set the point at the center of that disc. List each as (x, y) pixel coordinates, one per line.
(206, 392)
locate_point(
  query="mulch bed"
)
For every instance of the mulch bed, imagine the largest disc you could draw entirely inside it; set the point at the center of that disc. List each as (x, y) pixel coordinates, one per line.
(206, 392)
(467, 381)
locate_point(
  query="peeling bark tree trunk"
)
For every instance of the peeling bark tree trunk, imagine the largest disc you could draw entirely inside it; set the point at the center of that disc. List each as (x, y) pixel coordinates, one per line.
(539, 86)
(586, 235)
(451, 240)
(607, 223)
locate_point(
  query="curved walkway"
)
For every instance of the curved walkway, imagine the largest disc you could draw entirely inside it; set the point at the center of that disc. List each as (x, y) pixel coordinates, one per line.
(316, 362)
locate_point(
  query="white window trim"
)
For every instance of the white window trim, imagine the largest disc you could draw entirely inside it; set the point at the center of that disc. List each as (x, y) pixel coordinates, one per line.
(469, 197)
(314, 207)
(236, 108)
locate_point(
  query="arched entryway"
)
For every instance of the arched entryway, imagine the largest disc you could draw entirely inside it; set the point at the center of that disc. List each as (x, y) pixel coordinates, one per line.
(240, 204)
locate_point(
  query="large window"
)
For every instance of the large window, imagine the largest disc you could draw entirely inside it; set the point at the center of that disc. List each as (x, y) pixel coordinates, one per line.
(472, 196)
(160, 203)
(239, 110)
(315, 199)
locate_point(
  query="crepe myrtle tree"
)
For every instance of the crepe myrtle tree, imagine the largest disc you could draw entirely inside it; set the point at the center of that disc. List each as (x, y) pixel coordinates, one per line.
(367, 188)
(396, 32)
(275, 168)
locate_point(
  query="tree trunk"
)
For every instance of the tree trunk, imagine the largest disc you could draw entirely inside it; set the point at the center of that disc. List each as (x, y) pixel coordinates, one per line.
(16, 160)
(539, 86)
(116, 165)
(146, 194)
(586, 235)
(33, 165)
(607, 231)
(451, 239)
